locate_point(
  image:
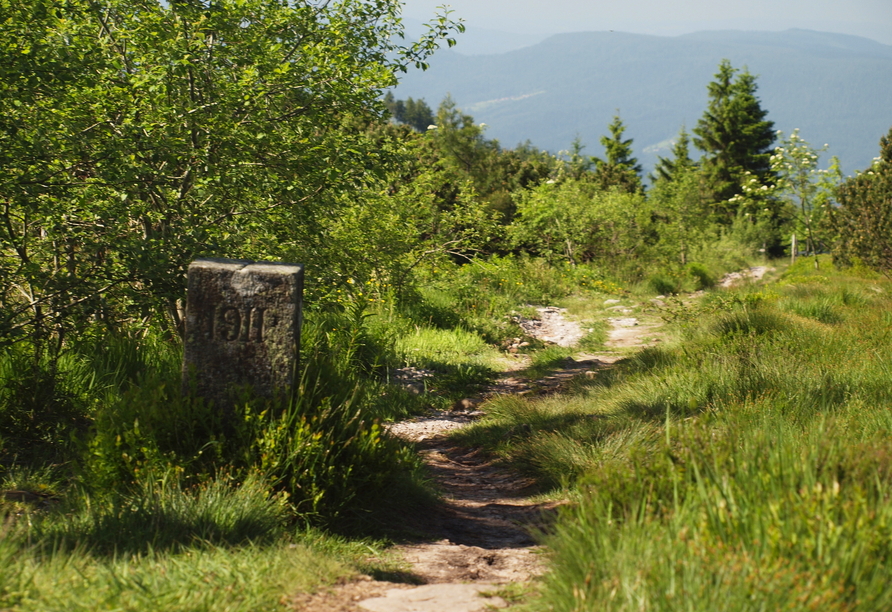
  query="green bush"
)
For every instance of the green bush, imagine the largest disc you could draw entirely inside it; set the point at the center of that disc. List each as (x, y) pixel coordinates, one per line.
(703, 278)
(324, 452)
(749, 322)
(44, 405)
(862, 224)
(663, 284)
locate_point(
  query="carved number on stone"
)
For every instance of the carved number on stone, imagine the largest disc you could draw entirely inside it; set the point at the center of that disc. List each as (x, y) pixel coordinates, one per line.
(232, 324)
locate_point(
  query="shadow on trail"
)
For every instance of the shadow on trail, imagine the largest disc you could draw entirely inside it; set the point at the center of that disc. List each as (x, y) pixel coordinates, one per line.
(483, 505)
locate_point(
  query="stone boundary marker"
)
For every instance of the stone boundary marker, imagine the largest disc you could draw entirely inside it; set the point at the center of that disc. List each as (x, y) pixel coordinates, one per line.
(243, 323)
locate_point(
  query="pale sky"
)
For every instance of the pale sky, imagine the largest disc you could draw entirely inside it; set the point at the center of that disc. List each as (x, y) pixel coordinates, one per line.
(868, 18)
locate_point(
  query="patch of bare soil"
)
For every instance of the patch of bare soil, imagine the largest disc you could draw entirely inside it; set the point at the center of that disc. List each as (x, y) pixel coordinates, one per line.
(438, 423)
(751, 274)
(630, 332)
(460, 598)
(480, 537)
(570, 368)
(483, 528)
(551, 326)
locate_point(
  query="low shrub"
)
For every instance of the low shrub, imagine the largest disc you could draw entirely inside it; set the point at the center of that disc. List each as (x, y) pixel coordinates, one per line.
(663, 284)
(703, 278)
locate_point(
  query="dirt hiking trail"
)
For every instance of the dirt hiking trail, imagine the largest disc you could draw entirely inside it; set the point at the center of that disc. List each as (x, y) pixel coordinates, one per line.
(480, 539)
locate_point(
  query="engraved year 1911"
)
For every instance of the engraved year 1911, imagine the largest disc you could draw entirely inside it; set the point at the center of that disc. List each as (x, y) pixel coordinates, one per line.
(236, 324)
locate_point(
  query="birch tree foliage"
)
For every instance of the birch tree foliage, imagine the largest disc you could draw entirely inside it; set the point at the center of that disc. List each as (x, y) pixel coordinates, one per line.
(806, 187)
(136, 135)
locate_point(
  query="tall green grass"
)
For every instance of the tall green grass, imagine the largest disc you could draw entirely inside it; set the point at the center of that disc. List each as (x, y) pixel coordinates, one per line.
(35, 576)
(481, 296)
(753, 510)
(746, 468)
(109, 417)
(143, 498)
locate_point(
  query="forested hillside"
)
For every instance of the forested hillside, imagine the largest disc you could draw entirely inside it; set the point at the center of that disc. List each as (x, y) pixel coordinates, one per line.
(832, 87)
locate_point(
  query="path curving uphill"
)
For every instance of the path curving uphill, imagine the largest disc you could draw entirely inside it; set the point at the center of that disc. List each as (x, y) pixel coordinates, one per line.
(480, 539)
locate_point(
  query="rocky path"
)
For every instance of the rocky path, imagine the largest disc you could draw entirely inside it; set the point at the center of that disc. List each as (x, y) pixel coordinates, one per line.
(552, 326)
(479, 540)
(749, 275)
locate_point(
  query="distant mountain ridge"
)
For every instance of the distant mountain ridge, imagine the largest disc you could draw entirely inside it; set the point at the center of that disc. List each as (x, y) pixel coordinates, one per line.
(836, 88)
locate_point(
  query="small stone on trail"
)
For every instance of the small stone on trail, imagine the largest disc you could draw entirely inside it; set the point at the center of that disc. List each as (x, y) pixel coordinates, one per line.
(435, 598)
(411, 379)
(608, 302)
(465, 404)
(551, 326)
(751, 274)
(627, 322)
(622, 309)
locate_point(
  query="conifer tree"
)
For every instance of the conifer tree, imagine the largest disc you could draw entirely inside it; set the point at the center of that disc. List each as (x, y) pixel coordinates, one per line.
(414, 113)
(668, 169)
(734, 135)
(418, 114)
(619, 169)
(863, 220)
(578, 165)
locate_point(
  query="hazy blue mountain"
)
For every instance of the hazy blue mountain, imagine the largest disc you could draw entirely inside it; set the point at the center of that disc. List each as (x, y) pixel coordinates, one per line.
(836, 88)
(480, 41)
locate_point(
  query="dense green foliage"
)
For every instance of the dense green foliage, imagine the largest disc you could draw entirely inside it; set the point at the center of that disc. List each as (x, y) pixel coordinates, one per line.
(619, 168)
(863, 222)
(137, 136)
(735, 136)
(579, 222)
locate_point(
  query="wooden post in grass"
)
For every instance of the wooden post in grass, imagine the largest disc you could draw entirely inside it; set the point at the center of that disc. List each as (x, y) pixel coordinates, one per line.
(243, 323)
(793, 250)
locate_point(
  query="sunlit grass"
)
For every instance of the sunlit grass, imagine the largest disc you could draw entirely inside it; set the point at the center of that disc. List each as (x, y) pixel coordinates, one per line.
(745, 468)
(427, 346)
(206, 577)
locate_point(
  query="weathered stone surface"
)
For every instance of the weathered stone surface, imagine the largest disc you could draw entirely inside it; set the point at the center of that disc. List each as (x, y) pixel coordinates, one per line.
(243, 323)
(450, 597)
